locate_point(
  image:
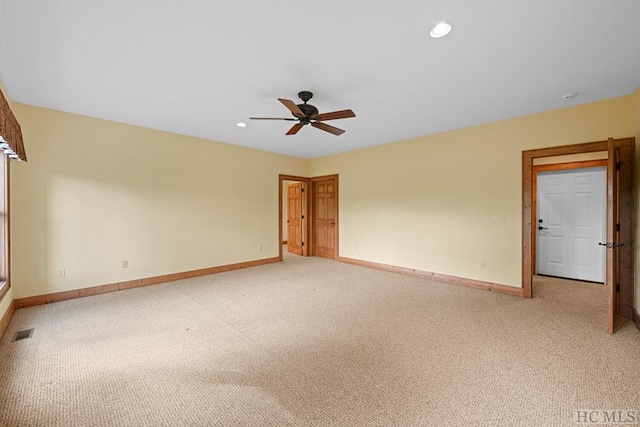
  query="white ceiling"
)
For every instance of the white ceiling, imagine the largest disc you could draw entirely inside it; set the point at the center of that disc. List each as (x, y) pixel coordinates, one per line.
(198, 67)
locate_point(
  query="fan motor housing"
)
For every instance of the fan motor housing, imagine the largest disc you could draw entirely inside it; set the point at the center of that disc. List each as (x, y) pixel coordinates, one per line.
(308, 110)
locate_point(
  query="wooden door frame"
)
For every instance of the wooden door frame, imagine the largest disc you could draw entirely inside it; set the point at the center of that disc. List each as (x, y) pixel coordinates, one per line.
(307, 207)
(528, 227)
(311, 218)
(534, 196)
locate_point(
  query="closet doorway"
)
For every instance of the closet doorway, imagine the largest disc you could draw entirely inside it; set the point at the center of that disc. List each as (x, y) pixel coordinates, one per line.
(619, 220)
(308, 215)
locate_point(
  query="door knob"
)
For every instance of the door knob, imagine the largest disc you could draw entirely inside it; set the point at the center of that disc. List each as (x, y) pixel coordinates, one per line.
(542, 228)
(611, 245)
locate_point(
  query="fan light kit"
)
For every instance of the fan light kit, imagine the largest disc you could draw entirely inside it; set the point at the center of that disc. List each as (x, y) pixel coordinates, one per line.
(307, 114)
(440, 30)
(241, 125)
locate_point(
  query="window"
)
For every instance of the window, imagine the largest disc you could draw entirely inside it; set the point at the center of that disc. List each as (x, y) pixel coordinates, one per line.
(12, 147)
(4, 224)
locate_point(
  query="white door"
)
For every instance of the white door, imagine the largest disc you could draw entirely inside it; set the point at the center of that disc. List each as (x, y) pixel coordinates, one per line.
(570, 223)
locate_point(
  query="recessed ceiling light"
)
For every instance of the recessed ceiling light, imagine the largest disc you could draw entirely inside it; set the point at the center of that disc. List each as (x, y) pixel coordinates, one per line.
(440, 30)
(241, 125)
(569, 96)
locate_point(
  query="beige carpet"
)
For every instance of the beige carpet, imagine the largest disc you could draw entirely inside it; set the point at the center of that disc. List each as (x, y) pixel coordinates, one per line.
(312, 342)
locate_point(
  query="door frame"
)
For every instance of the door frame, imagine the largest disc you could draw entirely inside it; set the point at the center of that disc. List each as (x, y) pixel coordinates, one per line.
(527, 214)
(534, 196)
(307, 208)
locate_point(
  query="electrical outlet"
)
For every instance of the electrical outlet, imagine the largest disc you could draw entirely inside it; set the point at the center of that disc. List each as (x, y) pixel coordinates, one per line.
(61, 274)
(260, 248)
(483, 265)
(125, 264)
(499, 219)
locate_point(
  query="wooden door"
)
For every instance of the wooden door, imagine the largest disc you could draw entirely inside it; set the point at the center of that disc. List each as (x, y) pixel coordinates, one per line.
(625, 232)
(620, 286)
(325, 214)
(294, 218)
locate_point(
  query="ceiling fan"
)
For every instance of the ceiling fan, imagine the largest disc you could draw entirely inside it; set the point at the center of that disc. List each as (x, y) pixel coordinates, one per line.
(306, 114)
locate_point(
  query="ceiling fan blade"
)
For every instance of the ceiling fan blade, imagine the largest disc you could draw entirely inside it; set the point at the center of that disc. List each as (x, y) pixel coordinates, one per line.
(295, 129)
(342, 114)
(292, 107)
(272, 118)
(327, 128)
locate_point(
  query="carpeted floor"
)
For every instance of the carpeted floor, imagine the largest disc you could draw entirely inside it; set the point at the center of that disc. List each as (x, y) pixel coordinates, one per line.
(312, 342)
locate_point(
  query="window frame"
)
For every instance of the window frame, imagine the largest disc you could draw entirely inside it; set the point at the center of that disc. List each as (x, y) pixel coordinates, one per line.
(5, 254)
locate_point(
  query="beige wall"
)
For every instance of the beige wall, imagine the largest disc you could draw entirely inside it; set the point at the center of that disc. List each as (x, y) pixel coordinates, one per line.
(637, 204)
(95, 193)
(434, 203)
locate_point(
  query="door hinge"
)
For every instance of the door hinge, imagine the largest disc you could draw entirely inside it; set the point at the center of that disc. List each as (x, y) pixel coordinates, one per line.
(617, 227)
(302, 244)
(618, 166)
(618, 224)
(302, 190)
(618, 287)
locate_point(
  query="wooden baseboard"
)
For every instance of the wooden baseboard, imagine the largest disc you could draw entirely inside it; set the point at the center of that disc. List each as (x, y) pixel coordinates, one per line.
(4, 323)
(113, 287)
(636, 318)
(471, 283)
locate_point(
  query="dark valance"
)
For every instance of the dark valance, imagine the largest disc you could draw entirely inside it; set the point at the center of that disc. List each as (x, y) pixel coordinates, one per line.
(10, 132)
